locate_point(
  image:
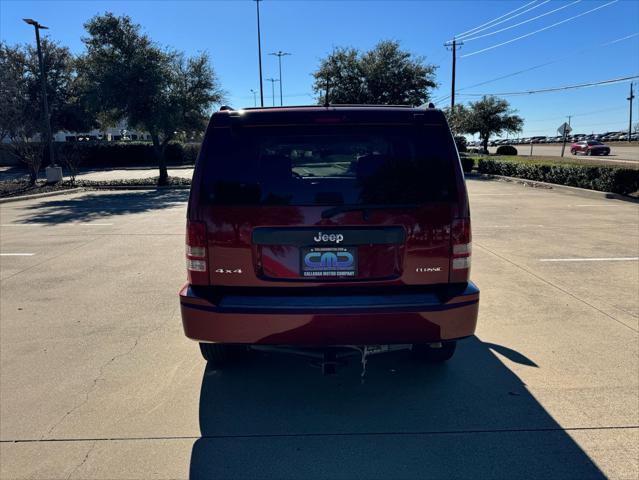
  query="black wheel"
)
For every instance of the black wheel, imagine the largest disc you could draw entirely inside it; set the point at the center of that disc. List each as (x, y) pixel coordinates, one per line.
(589, 152)
(573, 151)
(221, 354)
(436, 353)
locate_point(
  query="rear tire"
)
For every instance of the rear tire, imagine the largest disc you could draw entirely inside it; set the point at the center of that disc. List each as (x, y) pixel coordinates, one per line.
(429, 354)
(589, 152)
(573, 151)
(219, 354)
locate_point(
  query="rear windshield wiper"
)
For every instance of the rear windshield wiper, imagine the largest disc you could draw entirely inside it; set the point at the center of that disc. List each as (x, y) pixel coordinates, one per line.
(331, 212)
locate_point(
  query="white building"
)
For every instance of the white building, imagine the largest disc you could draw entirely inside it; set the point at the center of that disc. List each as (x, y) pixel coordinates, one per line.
(118, 132)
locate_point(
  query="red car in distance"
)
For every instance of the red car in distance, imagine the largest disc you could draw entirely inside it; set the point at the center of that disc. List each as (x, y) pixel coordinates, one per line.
(590, 147)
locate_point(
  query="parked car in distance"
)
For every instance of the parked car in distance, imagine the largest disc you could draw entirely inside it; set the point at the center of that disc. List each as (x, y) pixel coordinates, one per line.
(590, 147)
(328, 226)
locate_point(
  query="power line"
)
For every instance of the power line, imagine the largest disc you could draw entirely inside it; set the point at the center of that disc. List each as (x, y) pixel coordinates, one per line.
(521, 23)
(582, 125)
(487, 25)
(288, 95)
(534, 67)
(583, 114)
(539, 30)
(469, 32)
(555, 89)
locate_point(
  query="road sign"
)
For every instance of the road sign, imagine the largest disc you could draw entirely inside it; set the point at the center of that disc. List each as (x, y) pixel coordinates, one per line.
(564, 129)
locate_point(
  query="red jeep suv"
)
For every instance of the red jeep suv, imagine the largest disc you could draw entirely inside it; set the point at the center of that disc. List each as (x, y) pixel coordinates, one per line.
(328, 226)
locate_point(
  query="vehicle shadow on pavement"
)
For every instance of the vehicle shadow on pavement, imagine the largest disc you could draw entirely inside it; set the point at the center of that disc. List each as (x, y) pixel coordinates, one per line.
(97, 205)
(275, 416)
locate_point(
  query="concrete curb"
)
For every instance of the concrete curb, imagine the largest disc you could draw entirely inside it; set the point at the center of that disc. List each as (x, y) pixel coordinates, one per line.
(92, 187)
(40, 195)
(137, 187)
(584, 192)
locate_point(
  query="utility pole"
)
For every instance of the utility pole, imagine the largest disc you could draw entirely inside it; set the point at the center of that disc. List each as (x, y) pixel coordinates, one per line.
(254, 97)
(272, 80)
(630, 99)
(279, 56)
(453, 46)
(259, 50)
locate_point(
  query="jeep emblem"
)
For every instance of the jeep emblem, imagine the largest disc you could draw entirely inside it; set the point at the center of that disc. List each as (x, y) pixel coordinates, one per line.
(325, 237)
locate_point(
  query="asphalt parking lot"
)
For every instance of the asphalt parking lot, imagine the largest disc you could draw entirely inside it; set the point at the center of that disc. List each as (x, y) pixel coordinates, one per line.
(97, 380)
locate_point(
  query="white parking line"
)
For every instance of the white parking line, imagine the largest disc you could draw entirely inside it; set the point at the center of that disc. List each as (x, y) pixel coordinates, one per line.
(594, 205)
(16, 254)
(88, 224)
(603, 259)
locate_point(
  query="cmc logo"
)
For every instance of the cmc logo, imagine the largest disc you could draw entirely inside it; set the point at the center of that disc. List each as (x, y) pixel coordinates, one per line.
(325, 237)
(328, 260)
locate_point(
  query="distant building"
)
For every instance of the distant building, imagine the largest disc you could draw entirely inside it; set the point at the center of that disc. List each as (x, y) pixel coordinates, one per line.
(112, 134)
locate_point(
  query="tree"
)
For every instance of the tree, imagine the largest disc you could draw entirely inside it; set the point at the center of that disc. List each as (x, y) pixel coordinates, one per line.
(65, 109)
(457, 118)
(385, 75)
(126, 76)
(21, 118)
(490, 116)
(71, 154)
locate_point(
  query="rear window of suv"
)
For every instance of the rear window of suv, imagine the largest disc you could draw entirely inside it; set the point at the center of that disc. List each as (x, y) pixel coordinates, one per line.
(329, 165)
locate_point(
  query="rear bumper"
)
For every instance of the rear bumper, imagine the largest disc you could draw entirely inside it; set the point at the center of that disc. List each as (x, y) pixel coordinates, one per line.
(427, 315)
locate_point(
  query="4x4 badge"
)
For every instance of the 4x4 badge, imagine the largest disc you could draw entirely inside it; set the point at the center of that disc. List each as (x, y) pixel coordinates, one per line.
(228, 270)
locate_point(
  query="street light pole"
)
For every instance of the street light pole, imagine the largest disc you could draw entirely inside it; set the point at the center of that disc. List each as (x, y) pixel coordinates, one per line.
(272, 80)
(259, 50)
(279, 56)
(43, 78)
(254, 97)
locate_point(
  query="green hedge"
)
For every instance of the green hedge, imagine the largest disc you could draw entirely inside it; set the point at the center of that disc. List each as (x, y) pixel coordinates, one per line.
(122, 154)
(506, 150)
(467, 163)
(462, 144)
(602, 178)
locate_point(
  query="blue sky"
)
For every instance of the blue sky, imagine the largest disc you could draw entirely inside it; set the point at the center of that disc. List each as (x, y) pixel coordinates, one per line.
(310, 29)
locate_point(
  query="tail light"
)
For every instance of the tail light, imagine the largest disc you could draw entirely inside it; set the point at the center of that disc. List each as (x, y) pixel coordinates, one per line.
(196, 253)
(461, 250)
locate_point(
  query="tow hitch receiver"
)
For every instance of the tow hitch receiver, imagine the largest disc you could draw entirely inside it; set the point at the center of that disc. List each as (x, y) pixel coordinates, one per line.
(329, 358)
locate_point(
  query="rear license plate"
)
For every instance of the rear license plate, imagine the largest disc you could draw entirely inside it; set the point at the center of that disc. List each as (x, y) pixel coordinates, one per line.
(327, 262)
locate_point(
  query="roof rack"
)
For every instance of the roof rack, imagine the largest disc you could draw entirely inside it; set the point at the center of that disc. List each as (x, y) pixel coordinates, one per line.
(369, 105)
(358, 105)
